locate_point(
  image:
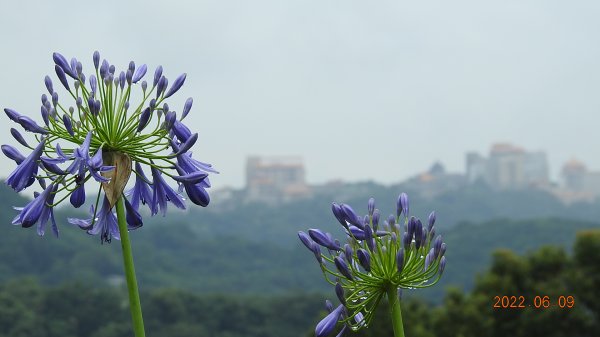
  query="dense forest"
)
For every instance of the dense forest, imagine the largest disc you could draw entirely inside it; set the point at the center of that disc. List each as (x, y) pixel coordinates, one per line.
(541, 281)
(241, 271)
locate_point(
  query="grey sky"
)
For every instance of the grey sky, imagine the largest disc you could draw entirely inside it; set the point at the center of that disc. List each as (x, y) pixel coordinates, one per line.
(360, 89)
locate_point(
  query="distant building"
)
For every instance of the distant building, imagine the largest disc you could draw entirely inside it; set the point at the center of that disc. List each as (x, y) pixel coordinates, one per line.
(508, 167)
(577, 183)
(275, 179)
(435, 181)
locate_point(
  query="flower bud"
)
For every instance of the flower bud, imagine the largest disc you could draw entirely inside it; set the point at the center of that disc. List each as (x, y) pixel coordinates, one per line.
(371, 206)
(54, 99)
(339, 291)
(432, 233)
(323, 239)
(157, 75)
(351, 216)
(29, 125)
(191, 178)
(18, 137)
(348, 252)
(187, 107)
(96, 58)
(68, 125)
(13, 153)
(139, 73)
(364, 259)
(431, 220)
(402, 205)
(317, 251)
(104, 69)
(391, 220)
(337, 212)
(327, 324)
(122, 80)
(306, 240)
(369, 238)
(357, 233)
(44, 113)
(443, 249)
(61, 61)
(418, 233)
(176, 85)
(400, 260)
(437, 246)
(342, 267)
(79, 69)
(48, 83)
(144, 86)
(188, 143)
(161, 86)
(328, 305)
(170, 120)
(428, 259)
(111, 69)
(442, 265)
(375, 219)
(78, 196)
(61, 76)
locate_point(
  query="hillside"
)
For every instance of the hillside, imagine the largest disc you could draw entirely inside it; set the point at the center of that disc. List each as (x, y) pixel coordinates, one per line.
(257, 256)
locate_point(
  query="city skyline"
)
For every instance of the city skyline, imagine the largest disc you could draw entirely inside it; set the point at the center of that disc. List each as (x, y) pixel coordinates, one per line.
(361, 91)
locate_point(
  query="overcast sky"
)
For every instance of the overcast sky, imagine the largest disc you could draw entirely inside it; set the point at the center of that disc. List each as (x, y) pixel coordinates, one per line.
(362, 90)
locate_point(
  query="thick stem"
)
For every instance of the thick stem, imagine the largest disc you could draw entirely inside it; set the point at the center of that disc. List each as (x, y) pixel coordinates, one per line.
(395, 312)
(132, 288)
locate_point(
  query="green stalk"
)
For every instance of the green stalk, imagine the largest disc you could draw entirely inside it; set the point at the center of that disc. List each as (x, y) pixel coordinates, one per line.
(134, 296)
(395, 312)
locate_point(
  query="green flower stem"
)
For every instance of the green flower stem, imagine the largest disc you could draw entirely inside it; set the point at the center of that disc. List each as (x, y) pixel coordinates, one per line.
(134, 296)
(395, 312)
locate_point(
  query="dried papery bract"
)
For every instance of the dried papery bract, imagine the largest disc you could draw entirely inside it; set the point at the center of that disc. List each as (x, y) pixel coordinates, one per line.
(119, 175)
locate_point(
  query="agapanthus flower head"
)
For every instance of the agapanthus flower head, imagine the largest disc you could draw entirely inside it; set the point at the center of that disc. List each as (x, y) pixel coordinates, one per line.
(107, 132)
(374, 263)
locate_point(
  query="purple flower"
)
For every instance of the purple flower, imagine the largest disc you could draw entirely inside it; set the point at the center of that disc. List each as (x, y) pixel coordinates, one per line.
(133, 218)
(141, 189)
(82, 161)
(105, 223)
(181, 131)
(78, 196)
(162, 193)
(24, 175)
(39, 210)
(195, 190)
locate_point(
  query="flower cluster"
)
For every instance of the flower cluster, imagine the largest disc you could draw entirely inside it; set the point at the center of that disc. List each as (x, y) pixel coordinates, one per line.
(375, 261)
(109, 131)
